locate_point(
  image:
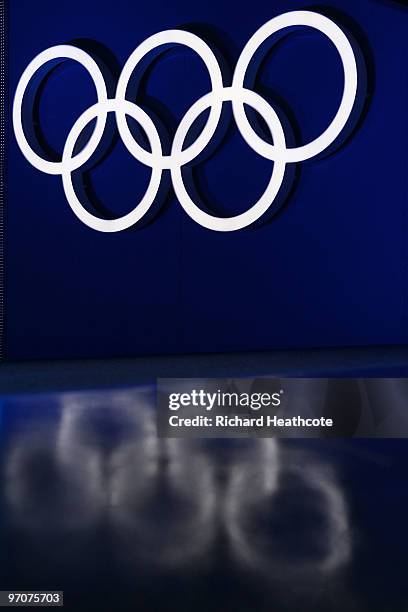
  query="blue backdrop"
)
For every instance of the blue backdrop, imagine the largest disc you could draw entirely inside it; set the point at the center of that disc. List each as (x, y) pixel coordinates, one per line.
(329, 269)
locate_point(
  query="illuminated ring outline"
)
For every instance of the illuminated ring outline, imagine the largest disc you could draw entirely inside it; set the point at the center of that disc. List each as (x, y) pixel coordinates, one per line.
(172, 37)
(62, 52)
(345, 50)
(228, 224)
(121, 223)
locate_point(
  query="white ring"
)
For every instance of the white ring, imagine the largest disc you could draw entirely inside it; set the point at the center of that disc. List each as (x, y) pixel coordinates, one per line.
(344, 48)
(63, 52)
(122, 223)
(203, 50)
(229, 224)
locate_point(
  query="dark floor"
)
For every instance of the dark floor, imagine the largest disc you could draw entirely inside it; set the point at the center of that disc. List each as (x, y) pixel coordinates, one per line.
(93, 503)
(96, 374)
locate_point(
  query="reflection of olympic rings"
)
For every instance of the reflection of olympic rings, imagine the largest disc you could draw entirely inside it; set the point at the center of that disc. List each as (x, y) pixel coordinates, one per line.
(239, 96)
(167, 501)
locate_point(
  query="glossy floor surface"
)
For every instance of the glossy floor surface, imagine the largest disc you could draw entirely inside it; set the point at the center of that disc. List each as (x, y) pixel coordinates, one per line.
(16, 377)
(93, 503)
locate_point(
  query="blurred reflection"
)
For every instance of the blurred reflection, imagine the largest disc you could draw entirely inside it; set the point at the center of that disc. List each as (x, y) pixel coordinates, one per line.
(88, 467)
(165, 498)
(254, 496)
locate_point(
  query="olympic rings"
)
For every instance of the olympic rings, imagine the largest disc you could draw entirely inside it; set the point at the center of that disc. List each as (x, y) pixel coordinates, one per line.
(179, 157)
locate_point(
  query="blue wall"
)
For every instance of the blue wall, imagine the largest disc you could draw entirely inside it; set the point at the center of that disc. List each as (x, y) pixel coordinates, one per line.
(329, 269)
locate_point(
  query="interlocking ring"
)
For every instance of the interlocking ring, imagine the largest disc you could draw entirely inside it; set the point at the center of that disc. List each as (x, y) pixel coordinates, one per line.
(179, 157)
